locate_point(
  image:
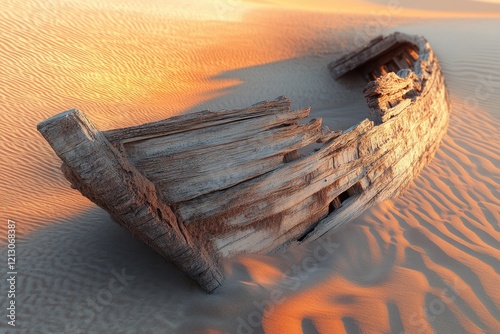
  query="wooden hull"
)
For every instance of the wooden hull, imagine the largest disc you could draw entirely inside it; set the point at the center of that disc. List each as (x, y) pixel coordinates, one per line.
(202, 187)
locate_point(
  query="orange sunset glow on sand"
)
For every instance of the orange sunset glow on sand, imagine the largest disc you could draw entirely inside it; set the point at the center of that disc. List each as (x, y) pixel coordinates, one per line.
(427, 261)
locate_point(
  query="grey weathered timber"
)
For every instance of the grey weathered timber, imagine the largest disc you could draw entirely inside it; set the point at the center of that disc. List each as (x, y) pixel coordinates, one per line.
(202, 187)
(98, 170)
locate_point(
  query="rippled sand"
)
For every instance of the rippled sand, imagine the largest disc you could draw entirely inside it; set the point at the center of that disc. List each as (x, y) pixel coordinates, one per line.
(428, 261)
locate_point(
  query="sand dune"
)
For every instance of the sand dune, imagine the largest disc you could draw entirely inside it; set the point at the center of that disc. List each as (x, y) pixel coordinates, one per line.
(465, 6)
(426, 262)
(388, 9)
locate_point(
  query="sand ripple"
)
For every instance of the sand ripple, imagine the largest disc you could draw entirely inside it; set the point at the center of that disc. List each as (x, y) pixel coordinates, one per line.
(426, 262)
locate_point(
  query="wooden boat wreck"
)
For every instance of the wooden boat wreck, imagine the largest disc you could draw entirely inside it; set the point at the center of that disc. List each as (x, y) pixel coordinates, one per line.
(201, 187)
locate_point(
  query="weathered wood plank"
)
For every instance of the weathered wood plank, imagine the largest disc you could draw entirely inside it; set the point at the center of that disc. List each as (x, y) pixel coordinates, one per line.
(284, 226)
(198, 120)
(99, 172)
(200, 138)
(281, 227)
(294, 174)
(372, 50)
(219, 167)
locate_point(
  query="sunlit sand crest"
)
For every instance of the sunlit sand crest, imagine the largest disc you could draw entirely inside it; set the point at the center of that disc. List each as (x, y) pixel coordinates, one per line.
(425, 262)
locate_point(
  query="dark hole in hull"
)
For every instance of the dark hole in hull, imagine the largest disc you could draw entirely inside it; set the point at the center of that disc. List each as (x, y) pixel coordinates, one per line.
(340, 199)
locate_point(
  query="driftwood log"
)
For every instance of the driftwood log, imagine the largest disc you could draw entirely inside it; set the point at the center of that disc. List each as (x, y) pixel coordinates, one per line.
(205, 186)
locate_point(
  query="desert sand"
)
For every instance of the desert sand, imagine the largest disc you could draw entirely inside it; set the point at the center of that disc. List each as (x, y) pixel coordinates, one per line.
(426, 262)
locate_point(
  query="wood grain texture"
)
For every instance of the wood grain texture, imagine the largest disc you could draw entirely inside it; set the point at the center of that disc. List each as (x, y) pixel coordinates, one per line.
(98, 171)
(202, 187)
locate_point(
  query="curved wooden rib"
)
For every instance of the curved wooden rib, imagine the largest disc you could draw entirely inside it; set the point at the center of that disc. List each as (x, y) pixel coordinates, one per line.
(201, 187)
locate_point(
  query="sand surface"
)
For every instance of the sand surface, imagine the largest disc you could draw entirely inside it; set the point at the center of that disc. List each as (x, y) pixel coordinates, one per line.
(428, 261)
